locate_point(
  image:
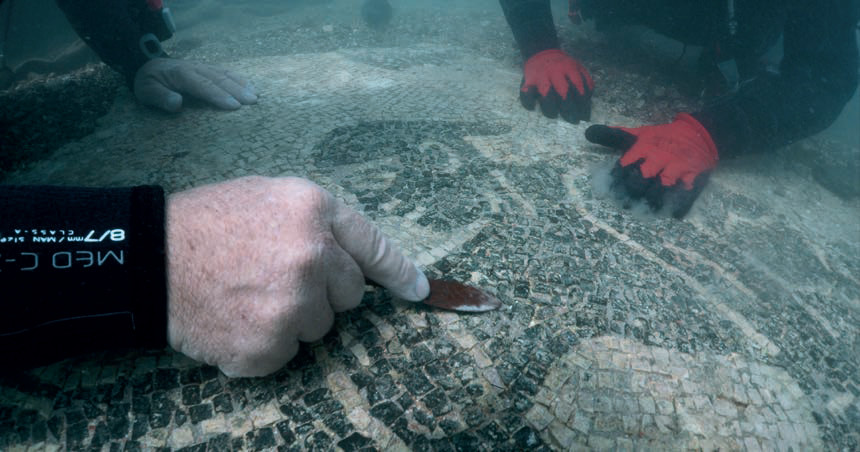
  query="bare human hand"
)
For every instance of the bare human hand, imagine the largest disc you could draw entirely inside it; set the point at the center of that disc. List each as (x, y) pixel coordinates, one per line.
(256, 265)
(162, 83)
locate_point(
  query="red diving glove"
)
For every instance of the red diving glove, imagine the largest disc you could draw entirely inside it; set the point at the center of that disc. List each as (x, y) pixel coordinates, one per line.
(666, 163)
(560, 83)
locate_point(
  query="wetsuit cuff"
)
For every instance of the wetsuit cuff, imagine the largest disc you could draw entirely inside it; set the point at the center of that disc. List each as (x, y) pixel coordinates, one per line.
(82, 269)
(724, 123)
(532, 25)
(149, 288)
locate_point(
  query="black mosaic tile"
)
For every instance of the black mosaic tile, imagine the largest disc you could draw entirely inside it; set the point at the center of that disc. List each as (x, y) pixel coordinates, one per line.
(381, 388)
(312, 376)
(466, 442)
(525, 384)
(318, 441)
(10, 433)
(450, 426)
(289, 392)
(410, 337)
(338, 424)
(508, 373)
(166, 379)
(437, 402)
(162, 410)
(285, 432)
(459, 395)
(303, 358)
(75, 416)
(420, 354)
(384, 310)
(316, 396)
(195, 448)
(76, 433)
(492, 433)
(201, 412)
(304, 429)
(190, 395)
(238, 385)
(222, 403)
(238, 443)
(521, 402)
(140, 404)
(354, 442)
(437, 370)
(139, 427)
(535, 371)
(473, 416)
(421, 443)
(190, 376)
(62, 400)
(387, 412)
(380, 367)
(262, 438)
(180, 417)
(118, 423)
(376, 352)
(91, 410)
(475, 390)
(295, 447)
(39, 431)
(424, 417)
(208, 373)
(527, 438)
(405, 401)
(402, 430)
(326, 407)
(361, 379)
(296, 412)
(259, 393)
(417, 383)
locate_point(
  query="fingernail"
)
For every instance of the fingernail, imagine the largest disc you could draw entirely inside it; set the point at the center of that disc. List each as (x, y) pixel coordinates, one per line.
(248, 95)
(172, 102)
(231, 103)
(421, 288)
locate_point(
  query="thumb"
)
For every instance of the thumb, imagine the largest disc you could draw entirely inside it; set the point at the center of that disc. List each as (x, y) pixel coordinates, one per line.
(151, 92)
(610, 137)
(377, 257)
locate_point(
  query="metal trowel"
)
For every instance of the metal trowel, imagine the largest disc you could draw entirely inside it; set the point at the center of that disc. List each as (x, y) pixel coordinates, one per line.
(455, 296)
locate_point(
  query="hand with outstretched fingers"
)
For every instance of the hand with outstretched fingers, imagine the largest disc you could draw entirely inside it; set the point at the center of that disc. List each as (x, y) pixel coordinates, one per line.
(256, 265)
(559, 83)
(666, 164)
(162, 83)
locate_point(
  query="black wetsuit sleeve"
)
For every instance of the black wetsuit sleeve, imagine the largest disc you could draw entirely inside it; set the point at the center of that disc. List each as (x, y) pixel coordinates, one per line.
(818, 75)
(113, 29)
(532, 25)
(81, 270)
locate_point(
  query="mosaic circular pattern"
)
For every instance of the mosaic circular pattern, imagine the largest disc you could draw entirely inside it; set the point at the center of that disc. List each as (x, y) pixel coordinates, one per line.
(615, 394)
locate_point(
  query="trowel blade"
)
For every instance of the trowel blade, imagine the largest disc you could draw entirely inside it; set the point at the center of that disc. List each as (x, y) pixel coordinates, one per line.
(459, 297)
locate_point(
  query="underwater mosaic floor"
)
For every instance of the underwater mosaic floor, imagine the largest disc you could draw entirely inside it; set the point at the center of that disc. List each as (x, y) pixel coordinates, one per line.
(735, 329)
